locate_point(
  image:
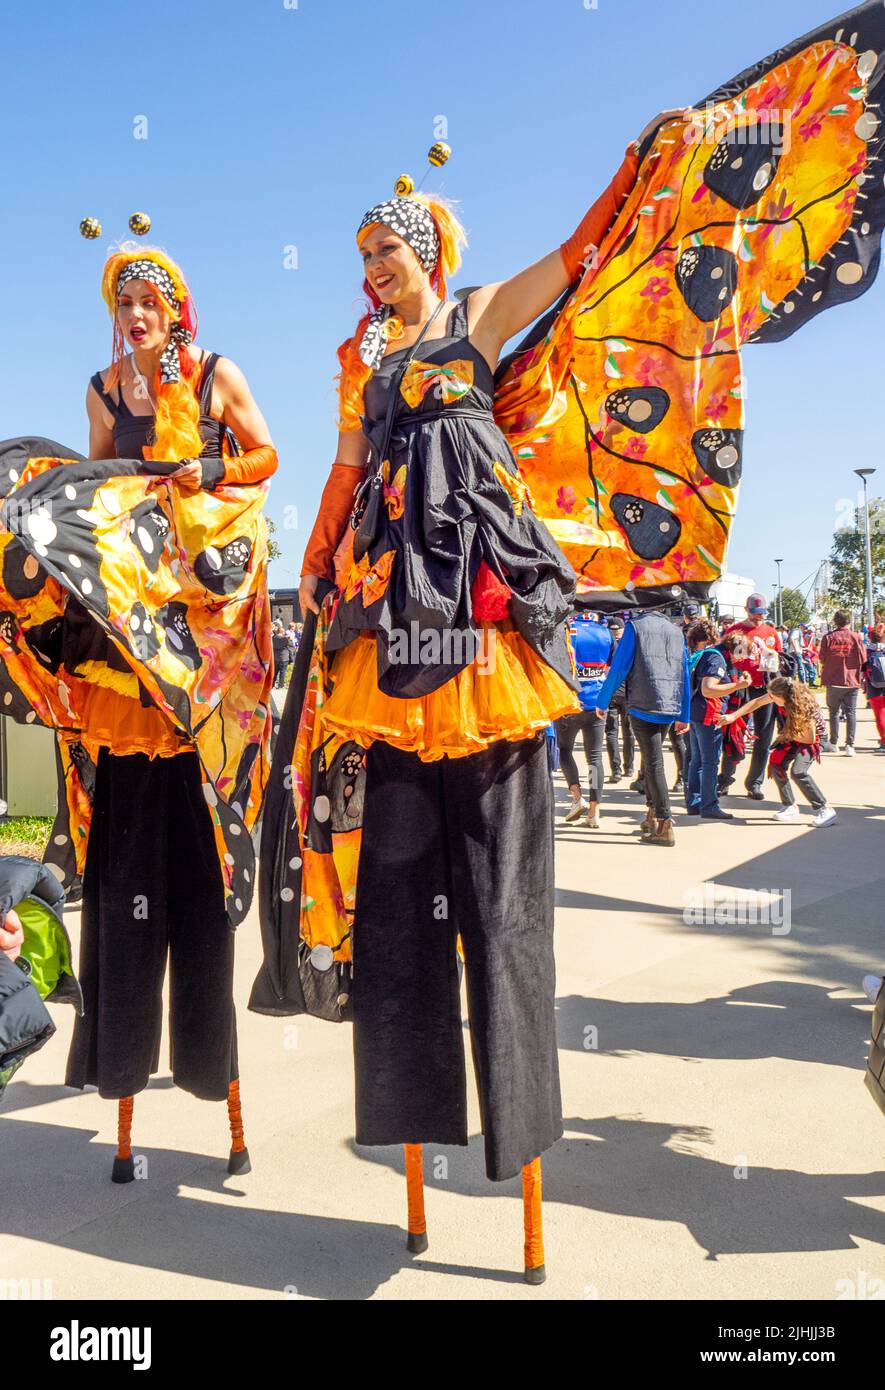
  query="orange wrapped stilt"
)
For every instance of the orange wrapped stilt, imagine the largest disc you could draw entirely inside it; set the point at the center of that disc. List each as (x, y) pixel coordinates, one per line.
(417, 1242)
(124, 1164)
(535, 1272)
(239, 1155)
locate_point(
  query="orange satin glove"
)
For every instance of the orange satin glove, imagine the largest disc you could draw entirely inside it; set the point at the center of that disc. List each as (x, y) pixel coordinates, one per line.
(599, 219)
(336, 506)
(251, 467)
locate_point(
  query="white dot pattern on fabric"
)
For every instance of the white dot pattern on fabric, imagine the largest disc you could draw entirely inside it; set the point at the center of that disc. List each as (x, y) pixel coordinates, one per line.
(321, 958)
(41, 527)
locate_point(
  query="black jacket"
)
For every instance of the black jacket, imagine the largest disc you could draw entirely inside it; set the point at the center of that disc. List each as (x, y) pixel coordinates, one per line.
(25, 1024)
(42, 971)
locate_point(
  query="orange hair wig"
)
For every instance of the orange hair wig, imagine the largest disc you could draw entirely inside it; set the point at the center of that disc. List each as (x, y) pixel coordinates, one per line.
(354, 373)
(177, 419)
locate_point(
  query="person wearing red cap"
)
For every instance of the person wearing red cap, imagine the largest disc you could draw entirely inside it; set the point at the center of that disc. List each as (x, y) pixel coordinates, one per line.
(758, 653)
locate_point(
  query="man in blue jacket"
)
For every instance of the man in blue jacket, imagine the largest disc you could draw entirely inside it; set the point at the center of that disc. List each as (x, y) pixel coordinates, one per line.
(593, 645)
(652, 659)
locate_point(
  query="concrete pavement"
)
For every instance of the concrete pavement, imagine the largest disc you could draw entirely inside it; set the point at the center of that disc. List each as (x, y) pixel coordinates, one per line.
(719, 1140)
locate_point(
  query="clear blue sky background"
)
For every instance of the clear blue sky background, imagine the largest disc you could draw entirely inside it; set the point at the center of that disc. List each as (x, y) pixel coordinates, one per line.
(271, 126)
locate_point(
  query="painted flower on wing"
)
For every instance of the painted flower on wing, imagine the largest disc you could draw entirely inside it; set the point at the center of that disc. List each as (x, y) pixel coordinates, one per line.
(647, 372)
(773, 97)
(656, 289)
(811, 128)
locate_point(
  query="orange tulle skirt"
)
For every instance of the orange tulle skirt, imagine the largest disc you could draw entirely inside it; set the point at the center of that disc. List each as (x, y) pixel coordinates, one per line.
(509, 692)
(121, 723)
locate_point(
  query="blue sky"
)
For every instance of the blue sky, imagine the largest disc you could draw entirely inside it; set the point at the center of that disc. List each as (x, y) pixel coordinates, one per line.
(272, 125)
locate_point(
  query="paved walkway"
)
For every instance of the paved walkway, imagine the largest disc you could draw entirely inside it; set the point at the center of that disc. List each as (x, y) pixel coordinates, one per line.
(719, 1140)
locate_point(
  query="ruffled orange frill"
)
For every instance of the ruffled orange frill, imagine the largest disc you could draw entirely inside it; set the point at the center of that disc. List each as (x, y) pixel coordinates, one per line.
(509, 692)
(116, 719)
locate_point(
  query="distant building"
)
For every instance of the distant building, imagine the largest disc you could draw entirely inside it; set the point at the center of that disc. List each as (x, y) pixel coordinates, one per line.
(285, 606)
(731, 593)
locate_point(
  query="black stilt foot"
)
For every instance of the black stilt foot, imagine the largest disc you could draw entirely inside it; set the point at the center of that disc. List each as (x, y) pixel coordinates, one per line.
(537, 1275)
(417, 1242)
(239, 1162)
(123, 1170)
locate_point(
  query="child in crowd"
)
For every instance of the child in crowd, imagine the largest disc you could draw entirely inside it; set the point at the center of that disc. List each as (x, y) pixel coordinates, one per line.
(797, 746)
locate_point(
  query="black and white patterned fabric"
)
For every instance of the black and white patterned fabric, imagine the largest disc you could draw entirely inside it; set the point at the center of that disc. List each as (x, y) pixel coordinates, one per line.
(179, 336)
(414, 222)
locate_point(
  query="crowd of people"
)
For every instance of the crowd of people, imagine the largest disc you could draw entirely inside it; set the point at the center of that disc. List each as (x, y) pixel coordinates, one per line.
(721, 695)
(286, 639)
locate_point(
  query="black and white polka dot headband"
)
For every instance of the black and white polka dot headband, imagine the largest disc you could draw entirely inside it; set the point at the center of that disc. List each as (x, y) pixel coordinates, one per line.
(411, 220)
(414, 222)
(179, 336)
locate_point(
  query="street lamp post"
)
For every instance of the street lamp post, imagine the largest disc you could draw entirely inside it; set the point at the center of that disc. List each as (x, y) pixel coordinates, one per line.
(863, 474)
(780, 595)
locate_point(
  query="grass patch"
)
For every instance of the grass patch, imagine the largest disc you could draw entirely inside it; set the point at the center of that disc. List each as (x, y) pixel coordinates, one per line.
(27, 835)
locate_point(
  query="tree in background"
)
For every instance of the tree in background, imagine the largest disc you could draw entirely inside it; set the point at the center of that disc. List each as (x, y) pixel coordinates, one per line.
(273, 550)
(848, 565)
(795, 609)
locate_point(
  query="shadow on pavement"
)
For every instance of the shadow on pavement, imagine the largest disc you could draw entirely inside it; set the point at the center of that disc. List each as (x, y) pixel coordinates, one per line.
(154, 1225)
(777, 1018)
(625, 1166)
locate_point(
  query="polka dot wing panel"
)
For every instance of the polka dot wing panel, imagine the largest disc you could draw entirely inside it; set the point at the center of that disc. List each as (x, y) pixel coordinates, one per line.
(174, 584)
(628, 415)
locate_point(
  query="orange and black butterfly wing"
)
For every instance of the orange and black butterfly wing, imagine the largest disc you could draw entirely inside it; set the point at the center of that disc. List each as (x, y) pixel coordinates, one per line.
(625, 407)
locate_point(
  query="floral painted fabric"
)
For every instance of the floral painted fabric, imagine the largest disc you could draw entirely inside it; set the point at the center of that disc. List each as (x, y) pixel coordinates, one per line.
(135, 616)
(626, 406)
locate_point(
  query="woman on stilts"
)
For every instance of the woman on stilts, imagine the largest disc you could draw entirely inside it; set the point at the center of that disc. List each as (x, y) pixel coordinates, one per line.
(444, 656)
(152, 886)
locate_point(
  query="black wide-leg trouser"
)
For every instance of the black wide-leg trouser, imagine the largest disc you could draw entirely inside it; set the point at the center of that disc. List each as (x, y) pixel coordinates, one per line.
(152, 890)
(457, 847)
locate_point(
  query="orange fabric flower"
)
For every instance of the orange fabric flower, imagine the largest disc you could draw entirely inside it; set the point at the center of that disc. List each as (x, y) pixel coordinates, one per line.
(370, 580)
(453, 380)
(394, 492)
(516, 486)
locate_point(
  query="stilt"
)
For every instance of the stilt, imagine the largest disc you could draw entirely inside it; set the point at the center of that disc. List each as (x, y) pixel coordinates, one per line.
(239, 1154)
(124, 1164)
(417, 1242)
(535, 1272)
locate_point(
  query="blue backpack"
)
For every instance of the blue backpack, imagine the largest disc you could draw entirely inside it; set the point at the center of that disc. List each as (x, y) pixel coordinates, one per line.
(876, 668)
